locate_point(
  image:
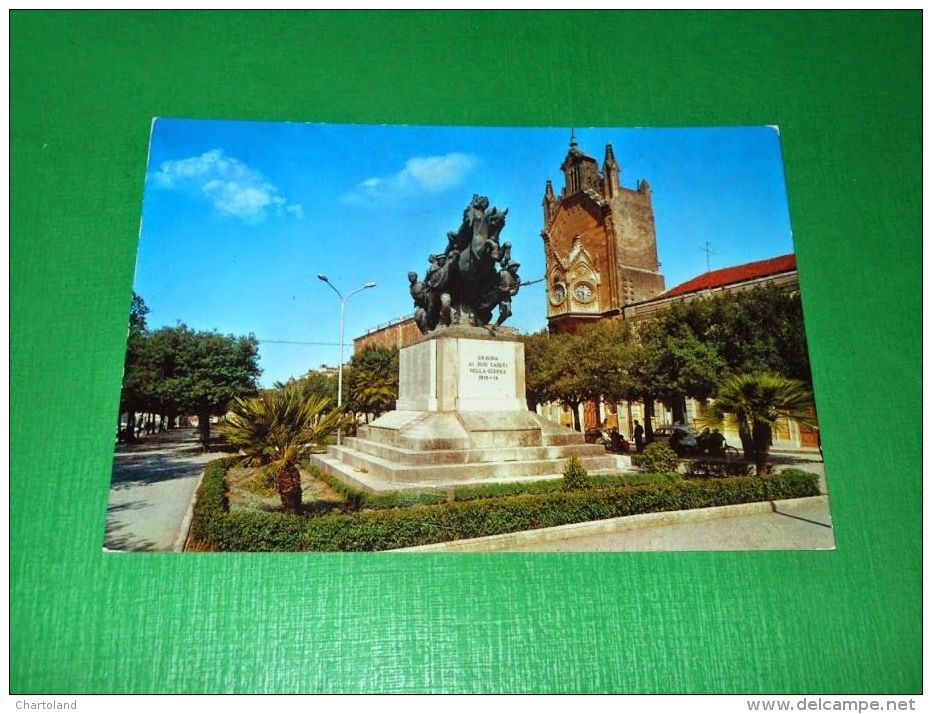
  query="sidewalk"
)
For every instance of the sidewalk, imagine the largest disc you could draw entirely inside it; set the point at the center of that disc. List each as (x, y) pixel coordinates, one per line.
(786, 526)
(794, 524)
(153, 484)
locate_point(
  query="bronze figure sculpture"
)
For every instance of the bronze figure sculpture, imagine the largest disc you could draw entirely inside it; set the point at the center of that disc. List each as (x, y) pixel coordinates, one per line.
(475, 274)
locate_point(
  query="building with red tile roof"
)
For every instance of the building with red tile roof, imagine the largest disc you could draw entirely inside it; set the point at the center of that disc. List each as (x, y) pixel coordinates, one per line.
(726, 277)
(779, 271)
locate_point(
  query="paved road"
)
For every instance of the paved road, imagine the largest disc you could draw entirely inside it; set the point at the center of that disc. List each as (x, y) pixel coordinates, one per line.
(791, 526)
(151, 488)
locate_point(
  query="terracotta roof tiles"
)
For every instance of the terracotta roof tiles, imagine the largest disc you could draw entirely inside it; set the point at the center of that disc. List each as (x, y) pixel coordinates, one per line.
(736, 274)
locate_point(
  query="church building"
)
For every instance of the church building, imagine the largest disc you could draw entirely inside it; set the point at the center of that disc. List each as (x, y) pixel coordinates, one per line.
(600, 243)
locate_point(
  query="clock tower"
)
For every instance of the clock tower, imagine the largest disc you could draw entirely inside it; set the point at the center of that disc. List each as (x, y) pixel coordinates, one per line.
(599, 241)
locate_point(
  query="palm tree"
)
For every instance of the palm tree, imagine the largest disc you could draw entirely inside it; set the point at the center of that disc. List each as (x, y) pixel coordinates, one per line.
(755, 402)
(276, 430)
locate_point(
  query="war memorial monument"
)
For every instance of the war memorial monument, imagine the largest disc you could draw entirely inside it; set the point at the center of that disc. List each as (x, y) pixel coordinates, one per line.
(461, 414)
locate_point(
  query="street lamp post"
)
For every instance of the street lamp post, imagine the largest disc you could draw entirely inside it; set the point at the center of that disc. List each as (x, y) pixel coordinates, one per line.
(343, 299)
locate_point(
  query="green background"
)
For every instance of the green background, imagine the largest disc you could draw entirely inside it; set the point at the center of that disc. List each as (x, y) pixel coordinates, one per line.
(845, 89)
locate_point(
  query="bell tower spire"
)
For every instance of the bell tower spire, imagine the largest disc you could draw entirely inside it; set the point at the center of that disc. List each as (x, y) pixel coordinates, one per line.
(580, 170)
(550, 201)
(611, 173)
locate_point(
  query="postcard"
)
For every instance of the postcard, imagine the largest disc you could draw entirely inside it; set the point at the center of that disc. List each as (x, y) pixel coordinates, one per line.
(425, 338)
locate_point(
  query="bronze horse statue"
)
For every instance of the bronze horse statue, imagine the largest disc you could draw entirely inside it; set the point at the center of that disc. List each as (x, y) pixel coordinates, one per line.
(476, 265)
(467, 274)
(483, 250)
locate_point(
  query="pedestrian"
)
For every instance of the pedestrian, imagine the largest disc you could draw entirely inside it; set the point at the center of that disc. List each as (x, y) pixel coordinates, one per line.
(716, 443)
(638, 436)
(703, 441)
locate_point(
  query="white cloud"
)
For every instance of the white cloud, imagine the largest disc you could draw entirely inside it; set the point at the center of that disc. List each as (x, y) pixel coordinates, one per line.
(422, 174)
(232, 187)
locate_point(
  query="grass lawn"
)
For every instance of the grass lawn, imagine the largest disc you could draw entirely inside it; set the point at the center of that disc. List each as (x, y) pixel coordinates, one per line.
(251, 490)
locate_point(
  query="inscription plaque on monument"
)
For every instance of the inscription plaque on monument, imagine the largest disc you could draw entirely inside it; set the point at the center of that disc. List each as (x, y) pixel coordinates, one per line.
(487, 369)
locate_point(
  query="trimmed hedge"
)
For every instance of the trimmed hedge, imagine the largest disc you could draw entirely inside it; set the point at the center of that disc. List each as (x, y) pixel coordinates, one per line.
(211, 500)
(385, 529)
(657, 457)
(357, 499)
(712, 468)
(800, 474)
(494, 490)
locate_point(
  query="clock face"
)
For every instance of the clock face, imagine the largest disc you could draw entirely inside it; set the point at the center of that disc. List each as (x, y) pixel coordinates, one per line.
(583, 292)
(558, 294)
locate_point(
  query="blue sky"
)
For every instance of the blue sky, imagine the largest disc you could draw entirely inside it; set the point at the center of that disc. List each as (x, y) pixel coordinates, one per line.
(239, 217)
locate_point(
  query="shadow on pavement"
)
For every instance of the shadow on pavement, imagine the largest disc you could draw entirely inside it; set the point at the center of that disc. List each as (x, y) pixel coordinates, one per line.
(157, 458)
(125, 544)
(186, 450)
(148, 469)
(128, 506)
(114, 539)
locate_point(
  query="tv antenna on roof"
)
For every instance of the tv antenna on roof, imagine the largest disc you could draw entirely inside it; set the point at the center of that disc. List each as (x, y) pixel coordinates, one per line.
(707, 249)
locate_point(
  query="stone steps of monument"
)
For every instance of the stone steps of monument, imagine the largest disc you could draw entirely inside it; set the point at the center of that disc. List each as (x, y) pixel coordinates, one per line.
(425, 438)
(412, 457)
(386, 436)
(433, 480)
(422, 433)
(396, 472)
(444, 431)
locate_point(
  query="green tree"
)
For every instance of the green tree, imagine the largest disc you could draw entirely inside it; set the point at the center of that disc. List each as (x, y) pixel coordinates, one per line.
(139, 372)
(687, 367)
(608, 359)
(753, 330)
(762, 330)
(690, 348)
(313, 384)
(538, 368)
(176, 369)
(372, 380)
(754, 402)
(575, 476)
(656, 360)
(571, 381)
(167, 348)
(276, 430)
(201, 373)
(659, 458)
(137, 313)
(668, 363)
(573, 368)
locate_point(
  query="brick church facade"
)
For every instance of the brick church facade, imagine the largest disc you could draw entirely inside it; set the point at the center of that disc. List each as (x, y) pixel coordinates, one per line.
(600, 242)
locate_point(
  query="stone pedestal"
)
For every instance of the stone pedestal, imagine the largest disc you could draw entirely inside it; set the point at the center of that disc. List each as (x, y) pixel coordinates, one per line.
(462, 375)
(461, 417)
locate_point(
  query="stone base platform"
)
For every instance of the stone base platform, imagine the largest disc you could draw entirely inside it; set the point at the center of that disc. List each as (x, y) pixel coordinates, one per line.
(423, 449)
